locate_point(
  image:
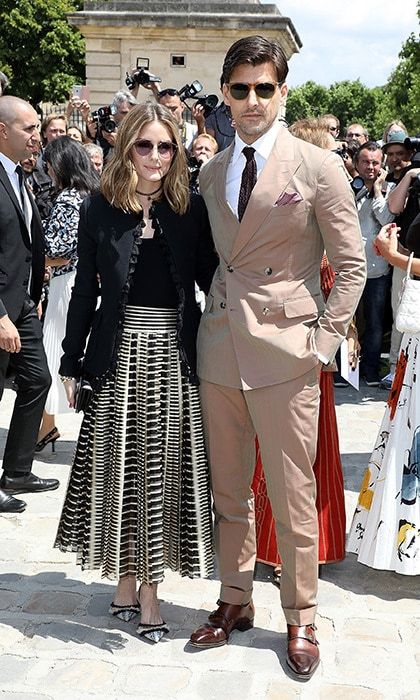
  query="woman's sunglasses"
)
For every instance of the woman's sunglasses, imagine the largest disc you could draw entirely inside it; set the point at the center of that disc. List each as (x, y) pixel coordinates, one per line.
(144, 147)
(240, 91)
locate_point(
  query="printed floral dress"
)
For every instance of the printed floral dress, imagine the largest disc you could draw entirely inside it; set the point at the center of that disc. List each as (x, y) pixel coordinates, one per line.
(385, 532)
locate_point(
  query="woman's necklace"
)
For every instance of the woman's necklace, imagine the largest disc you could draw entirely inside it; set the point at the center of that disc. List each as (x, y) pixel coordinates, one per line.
(149, 195)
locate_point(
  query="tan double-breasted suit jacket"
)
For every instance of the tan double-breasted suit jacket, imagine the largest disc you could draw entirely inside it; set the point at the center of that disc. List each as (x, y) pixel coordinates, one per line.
(265, 319)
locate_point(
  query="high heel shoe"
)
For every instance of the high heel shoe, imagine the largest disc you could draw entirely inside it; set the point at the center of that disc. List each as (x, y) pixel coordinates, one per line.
(124, 612)
(51, 437)
(153, 633)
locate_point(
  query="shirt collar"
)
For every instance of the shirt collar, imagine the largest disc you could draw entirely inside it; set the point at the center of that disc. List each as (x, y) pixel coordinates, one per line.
(8, 165)
(263, 145)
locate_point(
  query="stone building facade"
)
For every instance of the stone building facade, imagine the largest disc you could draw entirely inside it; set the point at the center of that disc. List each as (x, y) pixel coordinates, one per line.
(184, 41)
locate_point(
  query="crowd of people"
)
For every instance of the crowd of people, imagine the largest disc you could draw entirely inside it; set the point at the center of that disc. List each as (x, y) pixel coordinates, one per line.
(113, 238)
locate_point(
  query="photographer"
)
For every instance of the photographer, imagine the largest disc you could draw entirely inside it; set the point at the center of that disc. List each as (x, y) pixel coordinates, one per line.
(372, 206)
(202, 149)
(103, 129)
(403, 200)
(170, 99)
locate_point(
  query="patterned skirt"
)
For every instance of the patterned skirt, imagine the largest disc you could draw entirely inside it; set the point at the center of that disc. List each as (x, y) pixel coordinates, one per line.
(385, 532)
(138, 498)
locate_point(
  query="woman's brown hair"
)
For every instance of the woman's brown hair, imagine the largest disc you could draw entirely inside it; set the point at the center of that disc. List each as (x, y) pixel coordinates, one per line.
(119, 178)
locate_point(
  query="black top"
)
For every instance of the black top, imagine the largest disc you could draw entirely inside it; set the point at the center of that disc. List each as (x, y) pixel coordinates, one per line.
(108, 249)
(152, 284)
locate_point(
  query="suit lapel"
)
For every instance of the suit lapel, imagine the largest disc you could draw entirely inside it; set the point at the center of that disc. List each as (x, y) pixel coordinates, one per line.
(220, 177)
(276, 175)
(10, 191)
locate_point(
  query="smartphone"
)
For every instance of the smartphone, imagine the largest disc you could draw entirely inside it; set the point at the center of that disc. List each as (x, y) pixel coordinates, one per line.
(80, 92)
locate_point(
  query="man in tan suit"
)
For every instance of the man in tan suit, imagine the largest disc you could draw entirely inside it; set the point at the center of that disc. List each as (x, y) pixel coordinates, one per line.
(264, 335)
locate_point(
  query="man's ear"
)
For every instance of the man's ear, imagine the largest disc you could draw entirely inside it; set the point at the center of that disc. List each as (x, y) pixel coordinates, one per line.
(283, 92)
(225, 93)
(3, 130)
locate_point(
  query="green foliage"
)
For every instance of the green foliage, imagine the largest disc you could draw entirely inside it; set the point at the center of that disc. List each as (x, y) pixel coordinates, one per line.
(351, 101)
(403, 87)
(39, 52)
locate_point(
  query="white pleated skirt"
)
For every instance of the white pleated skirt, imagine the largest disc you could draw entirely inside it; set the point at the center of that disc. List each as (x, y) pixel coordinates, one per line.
(54, 331)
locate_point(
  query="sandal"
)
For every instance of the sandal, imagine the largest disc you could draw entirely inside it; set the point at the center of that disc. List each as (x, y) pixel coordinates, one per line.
(153, 633)
(124, 612)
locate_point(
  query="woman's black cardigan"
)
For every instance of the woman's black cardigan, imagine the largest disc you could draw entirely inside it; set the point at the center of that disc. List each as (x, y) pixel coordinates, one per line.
(108, 248)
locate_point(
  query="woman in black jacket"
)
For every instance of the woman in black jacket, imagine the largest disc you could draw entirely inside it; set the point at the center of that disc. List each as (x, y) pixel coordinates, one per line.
(138, 497)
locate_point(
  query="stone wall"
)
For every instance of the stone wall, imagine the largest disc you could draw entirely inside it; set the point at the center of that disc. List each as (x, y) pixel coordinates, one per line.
(117, 33)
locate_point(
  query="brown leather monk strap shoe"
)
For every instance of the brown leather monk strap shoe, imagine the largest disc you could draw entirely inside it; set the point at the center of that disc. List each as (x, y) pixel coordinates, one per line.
(302, 651)
(221, 623)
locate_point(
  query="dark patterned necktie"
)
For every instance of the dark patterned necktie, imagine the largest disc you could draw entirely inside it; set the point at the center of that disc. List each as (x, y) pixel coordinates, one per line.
(249, 178)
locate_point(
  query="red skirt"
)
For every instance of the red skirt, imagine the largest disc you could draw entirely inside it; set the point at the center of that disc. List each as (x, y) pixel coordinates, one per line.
(330, 490)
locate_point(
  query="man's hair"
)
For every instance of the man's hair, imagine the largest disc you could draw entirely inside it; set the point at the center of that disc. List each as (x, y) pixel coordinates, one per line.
(364, 130)
(119, 179)
(9, 106)
(368, 146)
(71, 165)
(209, 138)
(314, 131)
(123, 96)
(47, 121)
(93, 149)
(255, 50)
(331, 116)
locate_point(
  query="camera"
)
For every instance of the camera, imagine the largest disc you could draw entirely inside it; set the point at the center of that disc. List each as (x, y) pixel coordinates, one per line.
(142, 75)
(208, 102)
(412, 143)
(415, 185)
(104, 119)
(342, 151)
(357, 184)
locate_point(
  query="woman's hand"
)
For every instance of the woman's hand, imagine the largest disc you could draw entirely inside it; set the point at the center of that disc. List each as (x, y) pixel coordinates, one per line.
(70, 389)
(386, 242)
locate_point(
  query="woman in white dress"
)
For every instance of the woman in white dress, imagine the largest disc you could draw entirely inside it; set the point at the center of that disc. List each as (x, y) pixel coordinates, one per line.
(72, 173)
(385, 532)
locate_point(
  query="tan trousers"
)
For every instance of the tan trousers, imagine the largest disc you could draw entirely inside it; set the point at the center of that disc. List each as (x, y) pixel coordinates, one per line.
(285, 418)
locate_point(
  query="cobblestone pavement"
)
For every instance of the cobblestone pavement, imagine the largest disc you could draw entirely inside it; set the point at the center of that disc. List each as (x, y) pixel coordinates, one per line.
(56, 640)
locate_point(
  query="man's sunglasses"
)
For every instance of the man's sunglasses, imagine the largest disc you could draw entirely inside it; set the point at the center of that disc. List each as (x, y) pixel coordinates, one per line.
(168, 91)
(240, 91)
(144, 147)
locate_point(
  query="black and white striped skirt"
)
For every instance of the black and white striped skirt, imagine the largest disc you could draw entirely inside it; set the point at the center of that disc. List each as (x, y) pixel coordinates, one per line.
(138, 498)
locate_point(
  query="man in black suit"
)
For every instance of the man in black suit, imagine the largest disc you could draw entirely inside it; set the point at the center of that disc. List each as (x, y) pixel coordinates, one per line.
(21, 275)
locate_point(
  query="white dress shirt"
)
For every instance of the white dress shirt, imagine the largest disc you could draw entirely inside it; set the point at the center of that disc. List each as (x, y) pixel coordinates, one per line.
(263, 147)
(10, 168)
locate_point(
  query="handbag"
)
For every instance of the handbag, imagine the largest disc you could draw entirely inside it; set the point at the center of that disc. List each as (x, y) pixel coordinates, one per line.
(84, 393)
(408, 312)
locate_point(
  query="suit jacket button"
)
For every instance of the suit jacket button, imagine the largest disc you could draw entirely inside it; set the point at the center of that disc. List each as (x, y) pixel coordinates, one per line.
(265, 311)
(268, 271)
(223, 305)
(229, 268)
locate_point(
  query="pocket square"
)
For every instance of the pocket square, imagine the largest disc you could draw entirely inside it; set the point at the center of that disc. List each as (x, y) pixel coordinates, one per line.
(288, 198)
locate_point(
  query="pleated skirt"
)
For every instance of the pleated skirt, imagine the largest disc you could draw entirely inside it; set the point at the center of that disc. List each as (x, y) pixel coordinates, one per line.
(138, 498)
(54, 331)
